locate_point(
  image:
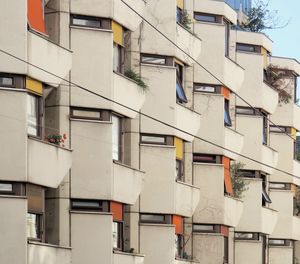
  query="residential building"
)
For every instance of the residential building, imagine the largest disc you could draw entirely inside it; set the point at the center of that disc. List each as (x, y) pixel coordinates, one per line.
(145, 132)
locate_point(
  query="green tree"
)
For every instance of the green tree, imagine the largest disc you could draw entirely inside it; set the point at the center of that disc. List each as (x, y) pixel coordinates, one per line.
(239, 184)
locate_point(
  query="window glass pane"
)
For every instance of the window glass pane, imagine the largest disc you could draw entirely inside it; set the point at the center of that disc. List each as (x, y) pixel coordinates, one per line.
(204, 158)
(153, 139)
(277, 242)
(181, 97)
(152, 218)
(6, 187)
(205, 88)
(227, 37)
(116, 234)
(87, 114)
(266, 197)
(117, 58)
(86, 204)
(178, 245)
(274, 185)
(205, 18)
(32, 225)
(32, 115)
(203, 228)
(245, 111)
(116, 138)
(278, 129)
(153, 60)
(245, 47)
(86, 22)
(244, 235)
(227, 119)
(179, 170)
(179, 15)
(248, 173)
(6, 81)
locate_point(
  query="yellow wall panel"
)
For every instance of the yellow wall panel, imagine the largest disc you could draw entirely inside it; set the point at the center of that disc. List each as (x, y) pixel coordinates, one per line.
(178, 143)
(34, 86)
(294, 189)
(118, 33)
(180, 4)
(264, 52)
(294, 133)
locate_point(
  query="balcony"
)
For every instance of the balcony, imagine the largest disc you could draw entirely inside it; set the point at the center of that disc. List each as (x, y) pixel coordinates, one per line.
(128, 93)
(216, 7)
(233, 75)
(127, 183)
(184, 261)
(254, 90)
(287, 115)
(234, 141)
(186, 199)
(47, 254)
(48, 164)
(255, 217)
(254, 38)
(268, 220)
(188, 42)
(48, 56)
(114, 9)
(164, 194)
(253, 146)
(186, 120)
(126, 258)
(233, 209)
(214, 207)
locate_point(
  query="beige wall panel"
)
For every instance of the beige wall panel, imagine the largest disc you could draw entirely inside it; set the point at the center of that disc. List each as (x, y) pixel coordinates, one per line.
(279, 255)
(248, 252)
(13, 245)
(91, 238)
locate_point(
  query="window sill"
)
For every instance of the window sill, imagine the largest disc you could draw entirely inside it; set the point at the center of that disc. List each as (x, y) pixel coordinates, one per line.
(35, 242)
(48, 143)
(134, 254)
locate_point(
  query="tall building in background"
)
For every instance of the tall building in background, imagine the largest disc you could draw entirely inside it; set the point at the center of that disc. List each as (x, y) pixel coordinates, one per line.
(145, 132)
(243, 5)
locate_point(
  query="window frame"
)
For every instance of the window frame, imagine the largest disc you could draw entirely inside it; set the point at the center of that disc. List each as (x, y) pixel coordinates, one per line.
(167, 219)
(227, 118)
(168, 140)
(256, 48)
(227, 25)
(287, 186)
(103, 205)
(39, 114)
(215, 228)
(255, 236)
(120, 153)
(179, 246)
(120, 233)
(216, 159)
(39, 226)
(104, 23)
(265, 131)
(168, 61)
(217, 18)
(104, 114)
(179, 170)
(286, 242)
(119, 67)
(180, 93)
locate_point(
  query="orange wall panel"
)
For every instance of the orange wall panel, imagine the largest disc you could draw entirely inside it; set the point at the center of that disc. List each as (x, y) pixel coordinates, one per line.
(35, 15)
(178, 222)
(117, 211)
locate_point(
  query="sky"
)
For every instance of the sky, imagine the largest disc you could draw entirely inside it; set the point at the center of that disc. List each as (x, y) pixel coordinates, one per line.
(286, 40)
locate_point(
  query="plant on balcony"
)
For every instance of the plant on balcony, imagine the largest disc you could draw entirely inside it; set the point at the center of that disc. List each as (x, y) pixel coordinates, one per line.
(280, 80)
(137, 78)
(261, 18)
(185, 20)
(239, 185)
(57, 139)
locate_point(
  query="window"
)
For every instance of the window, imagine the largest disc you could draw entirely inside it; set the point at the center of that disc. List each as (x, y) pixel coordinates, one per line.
(205, 88)
(179, 170)
(264, 248)
(156, 59)
(244, 110)
(90, 114)
(246, 236)
(180, 94)
(118, 60)
(227, 37)
(90, 22)
(155, 218)
(226, 250)
(179, 244)
(33, 126)
(265, 196)
(279, 242)
(206, 158)
(227, 119)
(36, 210)
(6, 81)
(34, 226)
(280, 129)
(97, 205)
(6, 188)
(265, 128)
(156, 139)
(117, 233)
(279, 186)
(248, 48)
(206, 228)
(210, 18)
(116, 138)
(179, 15)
